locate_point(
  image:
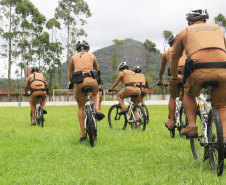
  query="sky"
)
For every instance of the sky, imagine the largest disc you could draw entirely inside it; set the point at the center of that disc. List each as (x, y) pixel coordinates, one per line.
(138, 20)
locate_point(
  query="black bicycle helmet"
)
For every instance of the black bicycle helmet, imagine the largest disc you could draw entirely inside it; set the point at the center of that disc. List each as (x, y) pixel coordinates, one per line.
(171, 39)
(137, 69)
(82, 44)
(197, 14)
(34, 68)
(122, 66)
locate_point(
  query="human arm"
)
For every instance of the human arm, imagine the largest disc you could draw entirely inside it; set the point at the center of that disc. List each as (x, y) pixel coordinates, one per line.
(95, 64)
(119, 78)
(70, 68)
(27, 85)
(177, 52)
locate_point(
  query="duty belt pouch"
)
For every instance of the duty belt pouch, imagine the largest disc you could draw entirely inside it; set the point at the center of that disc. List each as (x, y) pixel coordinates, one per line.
(188, 69)
(77, 77)
(94, 74)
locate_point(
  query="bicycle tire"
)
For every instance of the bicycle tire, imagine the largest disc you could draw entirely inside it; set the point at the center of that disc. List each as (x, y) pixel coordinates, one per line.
(31, 116)
(183, 121)
(115, 120)
(146, 113)
(216, 145)
(198, 145)
(142, 117)
(41, 117)
(90, 126)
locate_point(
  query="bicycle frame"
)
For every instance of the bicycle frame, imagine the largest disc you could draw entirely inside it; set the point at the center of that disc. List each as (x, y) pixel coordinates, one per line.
(128, 114)
(203, 103)
(88, 106)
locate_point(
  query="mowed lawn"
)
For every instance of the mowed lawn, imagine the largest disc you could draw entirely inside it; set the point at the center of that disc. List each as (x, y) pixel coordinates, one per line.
(53, 154)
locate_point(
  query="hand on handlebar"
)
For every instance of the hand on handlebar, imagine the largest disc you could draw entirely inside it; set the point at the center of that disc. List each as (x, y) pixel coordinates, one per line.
(159, 83)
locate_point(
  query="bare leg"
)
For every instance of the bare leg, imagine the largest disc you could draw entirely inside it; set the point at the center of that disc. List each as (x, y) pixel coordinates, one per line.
(172, 108)
(190, 108)
(222, 112)
(142, 101)
(33, 112)
(81, 119)
(43, 103)
(121, 101)
(96, 102)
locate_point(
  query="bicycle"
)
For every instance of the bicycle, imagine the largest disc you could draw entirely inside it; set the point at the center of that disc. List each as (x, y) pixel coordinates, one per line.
(209, 143)
(39, 116)
(145, 110)
(180, 114)
(90, 126)
(134, 116)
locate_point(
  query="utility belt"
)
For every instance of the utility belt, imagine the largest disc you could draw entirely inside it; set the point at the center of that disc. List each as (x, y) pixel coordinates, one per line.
(190, 66)
(178, 72)
(134, 85)
(43, 89)
(77, 77)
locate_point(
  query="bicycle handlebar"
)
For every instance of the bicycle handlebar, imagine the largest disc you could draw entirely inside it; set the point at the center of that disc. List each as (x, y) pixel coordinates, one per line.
(113, 90)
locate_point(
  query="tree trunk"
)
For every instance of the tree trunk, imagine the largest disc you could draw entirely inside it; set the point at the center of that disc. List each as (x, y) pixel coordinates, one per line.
(9, 62)
(68, 78)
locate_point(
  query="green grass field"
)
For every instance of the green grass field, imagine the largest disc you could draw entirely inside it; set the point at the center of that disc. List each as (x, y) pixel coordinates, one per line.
(53, 154)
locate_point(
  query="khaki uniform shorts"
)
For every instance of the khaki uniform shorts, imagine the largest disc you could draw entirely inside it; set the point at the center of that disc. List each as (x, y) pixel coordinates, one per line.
(194, 81)
(79, 95)
(128, 91)
(173, 88)
(34, 99)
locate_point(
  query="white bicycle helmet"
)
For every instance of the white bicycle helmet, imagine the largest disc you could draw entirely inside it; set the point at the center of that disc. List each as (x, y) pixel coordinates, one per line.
(137, 69)
(197, 14)
(122, 66)
(171, 39)
(81, 44)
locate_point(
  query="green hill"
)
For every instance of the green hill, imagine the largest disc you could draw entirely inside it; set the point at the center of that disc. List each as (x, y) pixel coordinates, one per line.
(132, 52)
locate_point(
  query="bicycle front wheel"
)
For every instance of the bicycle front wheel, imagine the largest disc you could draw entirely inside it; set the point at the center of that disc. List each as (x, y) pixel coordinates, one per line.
(90, 129)
(140, 116)
(199, 145)
(115, 120)
(146, 113)
(216, 143)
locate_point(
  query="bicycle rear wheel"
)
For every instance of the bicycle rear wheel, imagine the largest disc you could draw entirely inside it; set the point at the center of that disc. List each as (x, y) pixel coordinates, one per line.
(40, 117)
(90, 129)
(146, 113)
(199, 145)
(140, 117)
(216, 145)
(115, 120)
(183, 120)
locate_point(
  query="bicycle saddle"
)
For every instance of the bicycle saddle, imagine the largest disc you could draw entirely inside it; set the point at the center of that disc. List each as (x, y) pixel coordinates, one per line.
(213, 84)
(134, 96)
(39, 96)
(87, 89)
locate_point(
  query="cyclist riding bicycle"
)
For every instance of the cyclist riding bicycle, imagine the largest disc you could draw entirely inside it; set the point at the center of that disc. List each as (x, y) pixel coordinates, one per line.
(81, 70)
(173, 87)
(142, 82)
(128, 78)
(38, 86)
(204, 45)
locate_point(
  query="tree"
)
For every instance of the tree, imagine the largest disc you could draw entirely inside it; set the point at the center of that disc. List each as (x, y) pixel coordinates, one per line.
(53, 24)
(9, 32)
(72, 13)
(149, 47)
(166, 34)
(115, 61)
(220, 20)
